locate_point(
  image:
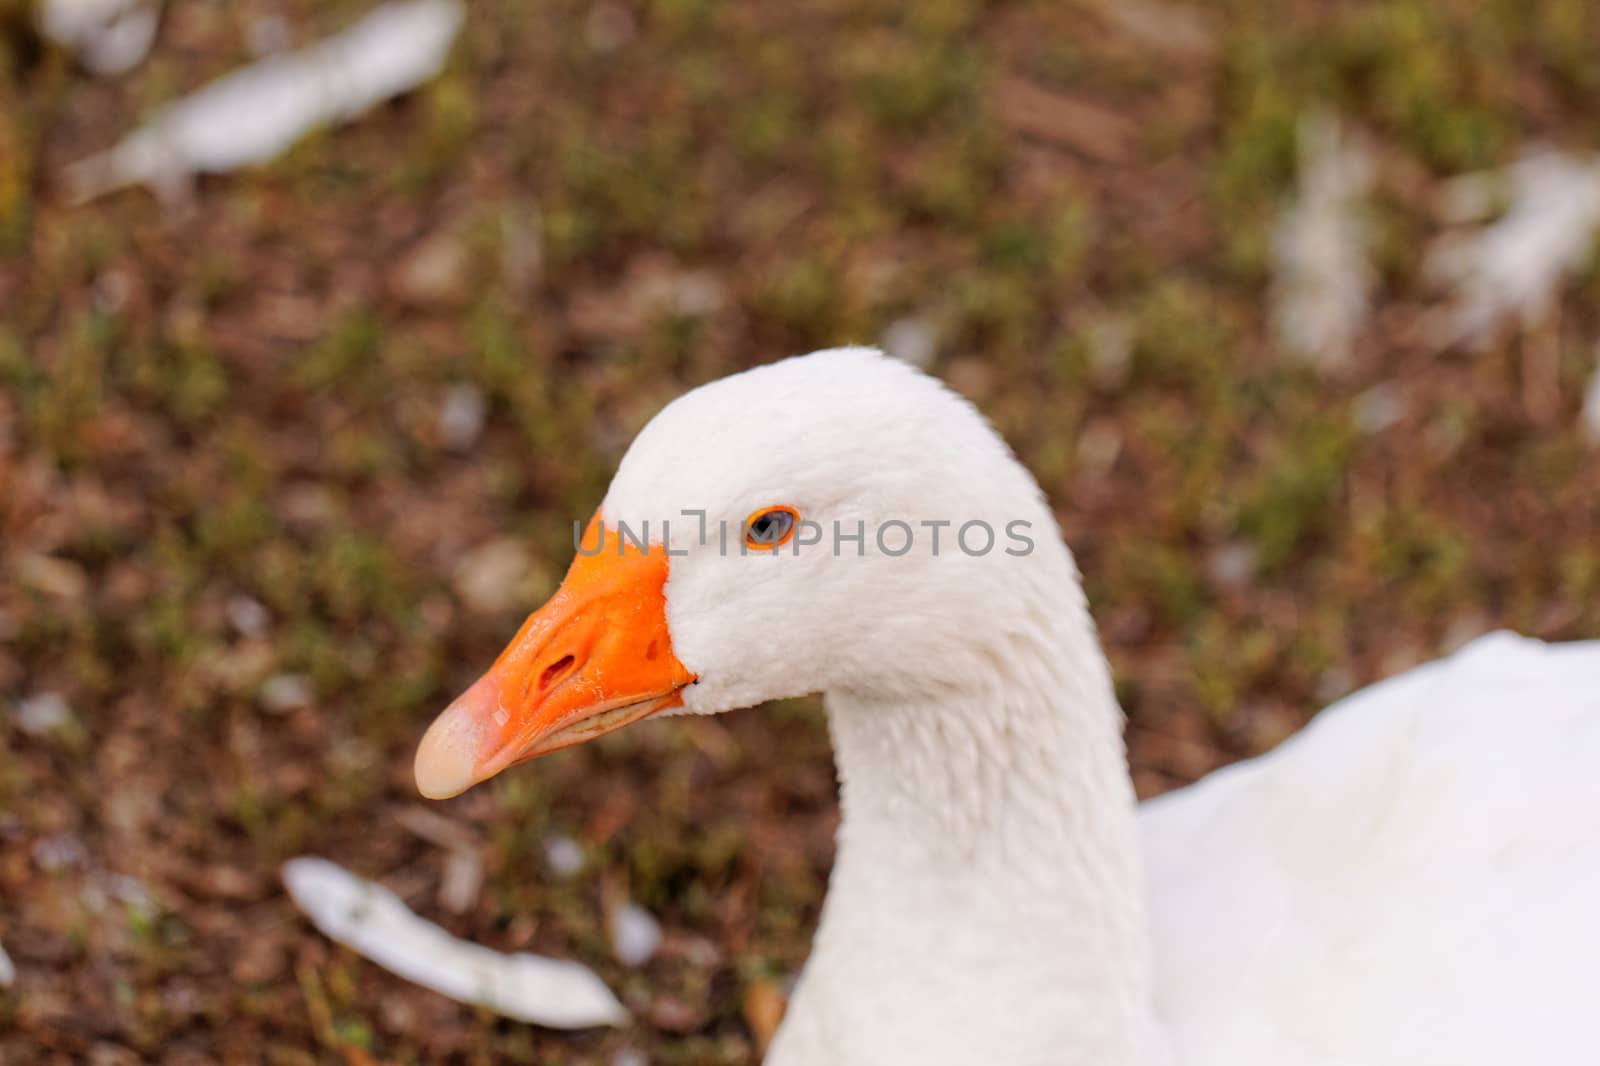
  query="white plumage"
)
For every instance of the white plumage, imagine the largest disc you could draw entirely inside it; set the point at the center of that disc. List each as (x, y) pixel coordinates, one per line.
(1415, 878)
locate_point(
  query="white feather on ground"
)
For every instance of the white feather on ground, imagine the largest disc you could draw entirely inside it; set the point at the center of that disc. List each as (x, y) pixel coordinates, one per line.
(8, 970)
(914, 339)
(635, 933)
(1514, 266)
(110, 37)
(1321, 274)
(376, 923)
(253, 114)
(1591, 407)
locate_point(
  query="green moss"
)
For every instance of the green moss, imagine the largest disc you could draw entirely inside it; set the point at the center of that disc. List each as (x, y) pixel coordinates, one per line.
(16, 180)
(1293, 496)
(347, 354)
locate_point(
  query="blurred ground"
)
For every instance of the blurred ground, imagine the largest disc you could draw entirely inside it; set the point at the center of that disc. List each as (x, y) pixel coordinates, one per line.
(253, 536)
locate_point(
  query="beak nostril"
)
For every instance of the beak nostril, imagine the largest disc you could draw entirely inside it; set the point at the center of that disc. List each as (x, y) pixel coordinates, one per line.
(650, 652)
(555, 672)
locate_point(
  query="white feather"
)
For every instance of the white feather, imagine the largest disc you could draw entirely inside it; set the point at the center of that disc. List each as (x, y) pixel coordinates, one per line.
(376, 923)
(1513, 268)
(253, 114)
(1322, 276)
(1591, 407)
(110, 36)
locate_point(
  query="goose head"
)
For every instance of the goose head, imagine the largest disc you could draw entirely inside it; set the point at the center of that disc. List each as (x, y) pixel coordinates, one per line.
(837, 522)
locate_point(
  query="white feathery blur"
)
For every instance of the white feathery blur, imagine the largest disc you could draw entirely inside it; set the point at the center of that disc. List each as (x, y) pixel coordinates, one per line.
(42, 714)
(1513, 267)
(1591, 407)
(635, 933)
(1322, 278)
(253, 114)
(8, 969)
(110, 37)
(374, 922)
(914, 339)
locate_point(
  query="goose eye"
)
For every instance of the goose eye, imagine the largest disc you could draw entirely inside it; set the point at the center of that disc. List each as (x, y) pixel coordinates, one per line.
(770, 528)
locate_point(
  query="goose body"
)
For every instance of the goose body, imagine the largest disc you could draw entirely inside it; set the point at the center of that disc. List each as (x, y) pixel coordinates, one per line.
(1413, 879)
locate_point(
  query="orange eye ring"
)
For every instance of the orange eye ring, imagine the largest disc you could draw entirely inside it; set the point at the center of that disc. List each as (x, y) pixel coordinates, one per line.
(770, 528)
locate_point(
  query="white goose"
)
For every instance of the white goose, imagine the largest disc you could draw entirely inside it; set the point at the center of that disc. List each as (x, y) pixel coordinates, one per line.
(1415, 879)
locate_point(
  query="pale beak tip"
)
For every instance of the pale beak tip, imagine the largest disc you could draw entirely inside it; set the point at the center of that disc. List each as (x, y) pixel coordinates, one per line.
(448, 758)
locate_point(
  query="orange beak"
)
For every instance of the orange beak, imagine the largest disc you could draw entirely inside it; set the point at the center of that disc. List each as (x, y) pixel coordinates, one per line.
(595, 658)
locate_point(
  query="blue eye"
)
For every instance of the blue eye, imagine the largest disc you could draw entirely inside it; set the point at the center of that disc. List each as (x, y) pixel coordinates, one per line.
(770, 528)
